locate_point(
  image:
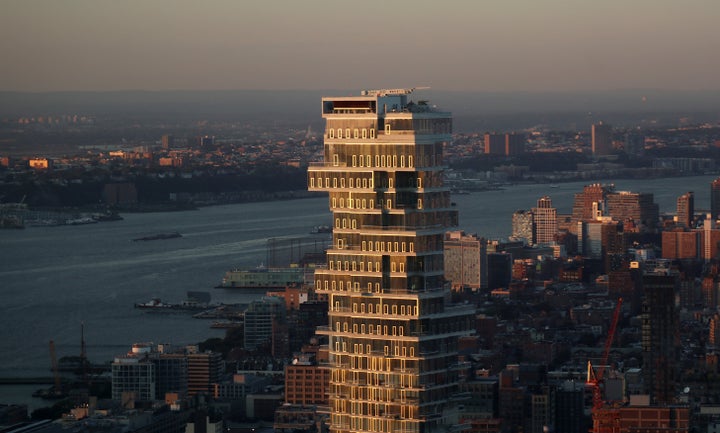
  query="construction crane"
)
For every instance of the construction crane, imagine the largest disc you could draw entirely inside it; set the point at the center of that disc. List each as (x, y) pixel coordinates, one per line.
(603, 421)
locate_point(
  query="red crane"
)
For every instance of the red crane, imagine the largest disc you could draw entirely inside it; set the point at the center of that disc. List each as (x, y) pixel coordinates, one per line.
(603, 423)
(595, 378)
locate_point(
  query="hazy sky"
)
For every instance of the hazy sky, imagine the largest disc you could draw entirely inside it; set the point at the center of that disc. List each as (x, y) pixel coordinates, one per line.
(503, 45)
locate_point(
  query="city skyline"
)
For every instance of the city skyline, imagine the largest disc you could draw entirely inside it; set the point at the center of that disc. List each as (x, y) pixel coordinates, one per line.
(476, 46)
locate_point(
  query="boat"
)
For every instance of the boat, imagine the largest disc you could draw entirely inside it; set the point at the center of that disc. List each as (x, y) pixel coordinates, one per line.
(11, 222)
(226, 324)
(265, 278)
(196, 301)
(159, 236)
(321, 229)
(80, 221)
(155, 304)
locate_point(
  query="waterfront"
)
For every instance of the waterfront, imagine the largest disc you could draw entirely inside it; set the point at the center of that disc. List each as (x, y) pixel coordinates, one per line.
(55, 278)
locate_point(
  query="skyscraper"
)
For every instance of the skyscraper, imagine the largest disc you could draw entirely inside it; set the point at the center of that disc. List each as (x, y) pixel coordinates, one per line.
(660, 342)
(545, 221)
(392, 332)
(523, 226)
(508, 144)
(715, 198)
(590, 201)
(602, 143)
(638, 208)
(465, 260)
(686, 209)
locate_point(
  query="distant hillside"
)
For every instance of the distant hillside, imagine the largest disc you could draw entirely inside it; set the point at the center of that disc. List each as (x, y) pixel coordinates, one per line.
(472, 110)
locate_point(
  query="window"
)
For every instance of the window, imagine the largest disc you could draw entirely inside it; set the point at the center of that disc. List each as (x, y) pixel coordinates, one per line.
(352, 182)
(419, 182)
(336, 160)
(419, 204)
(354, 160)
(347, 132)
(410, 161)
(332, 133)
(402, 160)
(364, 133)
(340, 243)
(339, 132)
(356, 133)
(387, 129)
(334, 182)
(372, 133)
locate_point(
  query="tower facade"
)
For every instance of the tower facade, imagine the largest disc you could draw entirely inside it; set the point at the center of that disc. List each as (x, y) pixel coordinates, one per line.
(601, 139)
(660, 342)
(638, 208)
(465, 261)
(545, 221)
(715, 198)
(392, 331)
(686, 209)
(523, 226)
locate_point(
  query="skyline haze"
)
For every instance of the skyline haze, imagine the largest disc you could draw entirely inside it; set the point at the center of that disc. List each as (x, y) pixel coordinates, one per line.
(490, 46)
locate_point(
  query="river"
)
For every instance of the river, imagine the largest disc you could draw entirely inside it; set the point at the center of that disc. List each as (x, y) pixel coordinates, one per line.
(55, 278)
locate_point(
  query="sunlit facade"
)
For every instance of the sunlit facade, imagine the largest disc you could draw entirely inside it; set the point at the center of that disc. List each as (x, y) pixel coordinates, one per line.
(392, 330)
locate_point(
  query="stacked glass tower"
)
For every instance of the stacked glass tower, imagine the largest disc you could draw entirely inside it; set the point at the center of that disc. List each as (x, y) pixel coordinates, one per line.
(393, 332)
